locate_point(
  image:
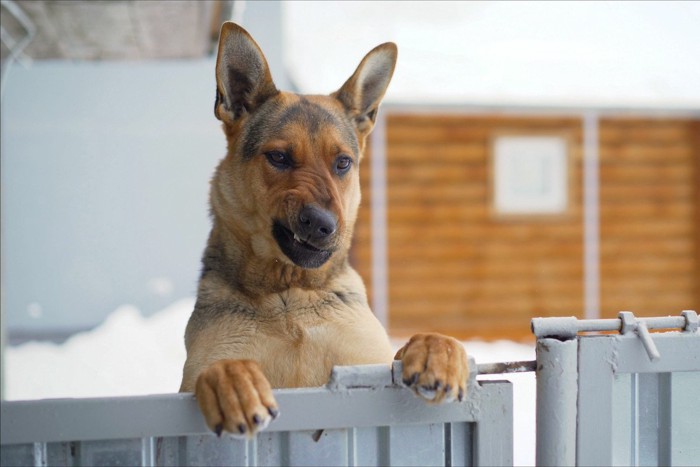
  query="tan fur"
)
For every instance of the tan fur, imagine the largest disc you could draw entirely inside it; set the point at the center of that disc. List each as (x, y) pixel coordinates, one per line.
(295, 348)
(277, 312)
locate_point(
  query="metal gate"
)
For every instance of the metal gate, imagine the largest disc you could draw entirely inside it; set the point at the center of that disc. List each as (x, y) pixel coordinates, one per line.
(621, 399)
(360, 418)
(611, 399)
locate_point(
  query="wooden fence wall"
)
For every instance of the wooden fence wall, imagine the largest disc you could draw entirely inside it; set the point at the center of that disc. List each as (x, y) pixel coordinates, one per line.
(455, 267)
(649, 204)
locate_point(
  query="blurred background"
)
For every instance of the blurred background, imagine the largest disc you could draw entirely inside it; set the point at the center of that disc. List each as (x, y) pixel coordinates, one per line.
(530, 159)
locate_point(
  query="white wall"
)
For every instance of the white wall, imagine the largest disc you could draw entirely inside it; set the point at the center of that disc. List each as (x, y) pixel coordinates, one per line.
(105, 170)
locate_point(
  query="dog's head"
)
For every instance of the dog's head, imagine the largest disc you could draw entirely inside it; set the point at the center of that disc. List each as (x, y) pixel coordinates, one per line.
(289, 185)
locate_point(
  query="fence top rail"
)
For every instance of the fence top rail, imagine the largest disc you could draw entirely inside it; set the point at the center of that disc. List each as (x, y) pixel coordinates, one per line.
(569, 327)
(365, 395)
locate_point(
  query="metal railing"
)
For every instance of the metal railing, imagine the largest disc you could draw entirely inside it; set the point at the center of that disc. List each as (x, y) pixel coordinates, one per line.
(362, 417)
(611, 399)
(618, 399)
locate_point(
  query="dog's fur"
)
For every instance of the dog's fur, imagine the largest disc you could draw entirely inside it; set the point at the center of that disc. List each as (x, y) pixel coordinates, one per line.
(278, 304)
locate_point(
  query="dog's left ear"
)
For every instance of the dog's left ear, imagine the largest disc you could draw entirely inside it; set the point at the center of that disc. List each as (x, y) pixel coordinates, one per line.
(362, 93)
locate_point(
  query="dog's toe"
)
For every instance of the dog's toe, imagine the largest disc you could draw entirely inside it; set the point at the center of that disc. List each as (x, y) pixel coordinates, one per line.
(234, 396)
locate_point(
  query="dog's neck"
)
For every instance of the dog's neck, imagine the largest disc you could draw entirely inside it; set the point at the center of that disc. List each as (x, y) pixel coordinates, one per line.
(229, 259)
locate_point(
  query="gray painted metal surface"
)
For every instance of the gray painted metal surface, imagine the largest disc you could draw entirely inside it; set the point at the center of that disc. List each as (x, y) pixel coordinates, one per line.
(636, 392)
(568, 327)
(556, 402)
(360, 418)
(634, 411)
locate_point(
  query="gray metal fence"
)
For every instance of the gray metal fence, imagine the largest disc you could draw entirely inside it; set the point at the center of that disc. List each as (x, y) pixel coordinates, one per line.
(360, 418)
(623, 399)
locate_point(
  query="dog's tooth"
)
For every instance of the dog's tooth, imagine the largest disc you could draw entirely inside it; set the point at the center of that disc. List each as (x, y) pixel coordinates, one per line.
(296, 237)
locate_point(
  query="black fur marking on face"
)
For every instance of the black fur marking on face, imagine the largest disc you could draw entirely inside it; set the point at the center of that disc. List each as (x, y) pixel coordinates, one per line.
(270, 121)
(312, 116)
(258, 129)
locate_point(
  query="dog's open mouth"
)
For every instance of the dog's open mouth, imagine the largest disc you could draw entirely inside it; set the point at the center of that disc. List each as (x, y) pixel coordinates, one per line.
(299, 251)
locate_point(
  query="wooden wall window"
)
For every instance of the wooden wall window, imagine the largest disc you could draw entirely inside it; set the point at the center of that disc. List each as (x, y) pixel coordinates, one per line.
(530, 175)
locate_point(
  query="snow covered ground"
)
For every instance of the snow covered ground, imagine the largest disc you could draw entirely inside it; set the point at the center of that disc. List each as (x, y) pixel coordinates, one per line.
(132, 355)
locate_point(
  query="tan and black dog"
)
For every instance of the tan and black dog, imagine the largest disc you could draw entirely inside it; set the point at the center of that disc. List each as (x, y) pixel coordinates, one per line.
(278, 304)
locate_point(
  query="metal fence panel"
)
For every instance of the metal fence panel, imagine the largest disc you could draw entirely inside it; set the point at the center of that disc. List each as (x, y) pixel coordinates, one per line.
(684, 416)
(430, 450)
(460, 451)
(635, 411)
(654, 421)
(360, 418)
(494, 433)
(367, 448)
(635, 393)
(628, 399)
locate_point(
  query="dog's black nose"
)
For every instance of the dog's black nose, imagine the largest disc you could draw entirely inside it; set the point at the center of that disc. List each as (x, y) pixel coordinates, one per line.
(316, 223)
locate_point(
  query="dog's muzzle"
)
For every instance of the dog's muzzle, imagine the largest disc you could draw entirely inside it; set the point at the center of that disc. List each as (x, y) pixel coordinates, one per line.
(309, 243)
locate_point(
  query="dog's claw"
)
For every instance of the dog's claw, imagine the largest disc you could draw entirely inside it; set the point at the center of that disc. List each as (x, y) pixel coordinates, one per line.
(412, 380)
(241, 428)
(273, 412)
(218, 429)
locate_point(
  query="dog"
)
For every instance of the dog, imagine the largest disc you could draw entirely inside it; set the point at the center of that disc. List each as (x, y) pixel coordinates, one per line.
(278, 304)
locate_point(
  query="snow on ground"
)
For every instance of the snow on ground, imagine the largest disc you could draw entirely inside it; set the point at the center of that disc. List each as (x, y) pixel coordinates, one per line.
(130, 355)
(127, 354)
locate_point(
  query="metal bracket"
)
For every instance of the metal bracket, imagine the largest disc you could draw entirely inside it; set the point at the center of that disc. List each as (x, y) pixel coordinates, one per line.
(632, 324)
(691, 320)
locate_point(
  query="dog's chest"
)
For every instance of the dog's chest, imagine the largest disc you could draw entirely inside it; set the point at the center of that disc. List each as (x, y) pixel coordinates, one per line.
(301, 346)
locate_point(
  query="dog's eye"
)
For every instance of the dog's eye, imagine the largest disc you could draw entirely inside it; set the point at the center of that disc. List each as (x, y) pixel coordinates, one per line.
(278, 159)
(342, 164)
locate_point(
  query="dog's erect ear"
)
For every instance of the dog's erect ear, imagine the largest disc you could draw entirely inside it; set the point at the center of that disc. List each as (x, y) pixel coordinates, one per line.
(243, 79)
(362, 93)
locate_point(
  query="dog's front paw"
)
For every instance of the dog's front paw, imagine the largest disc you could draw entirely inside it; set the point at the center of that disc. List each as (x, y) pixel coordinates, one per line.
(235, 396)
(435, 367)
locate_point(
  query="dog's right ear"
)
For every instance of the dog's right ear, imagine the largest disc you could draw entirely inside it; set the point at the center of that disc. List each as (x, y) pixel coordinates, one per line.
(243, 79)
